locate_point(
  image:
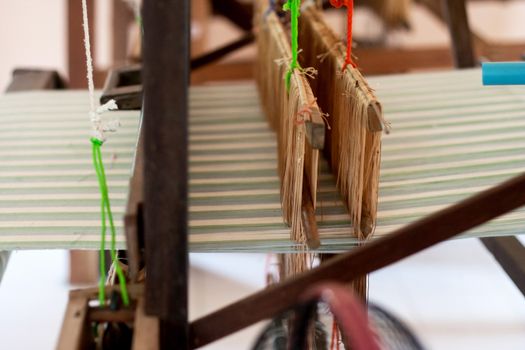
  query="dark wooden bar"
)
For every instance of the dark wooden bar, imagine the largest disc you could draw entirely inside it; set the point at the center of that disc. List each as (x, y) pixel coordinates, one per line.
(222, 51)
(35, 79)
(240, 14)
(400, 244)
(510, 254)
(165, 81)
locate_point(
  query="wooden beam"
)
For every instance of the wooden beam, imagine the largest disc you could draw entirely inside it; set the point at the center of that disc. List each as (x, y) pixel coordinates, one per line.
(510, 254)
(75, 332)
(371, 61)
(222, 51)
(165, 82)
(379, 253)
(146, 333)
(35, 79)
(457, 20)
(241, 14)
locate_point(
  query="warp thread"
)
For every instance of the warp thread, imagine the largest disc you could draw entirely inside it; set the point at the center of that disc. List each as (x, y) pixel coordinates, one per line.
(356, 121)
(334, 339)
(97, 140)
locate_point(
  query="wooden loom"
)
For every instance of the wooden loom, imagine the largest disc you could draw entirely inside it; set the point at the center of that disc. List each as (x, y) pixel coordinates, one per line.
(276, 299)
(166, 296)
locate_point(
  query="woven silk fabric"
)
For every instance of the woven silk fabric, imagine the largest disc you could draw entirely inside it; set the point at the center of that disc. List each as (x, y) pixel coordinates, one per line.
(450, 138)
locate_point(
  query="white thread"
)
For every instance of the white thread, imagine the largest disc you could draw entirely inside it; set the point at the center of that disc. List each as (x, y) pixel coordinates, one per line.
(89, 61)
(95, 113)
(111, 105)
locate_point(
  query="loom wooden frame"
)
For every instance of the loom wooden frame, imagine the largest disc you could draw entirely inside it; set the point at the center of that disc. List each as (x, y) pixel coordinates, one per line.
(370, 257)
(166, 294)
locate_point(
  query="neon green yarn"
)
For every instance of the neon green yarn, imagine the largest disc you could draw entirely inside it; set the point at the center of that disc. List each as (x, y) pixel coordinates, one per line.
(294, 7)
(105, 212)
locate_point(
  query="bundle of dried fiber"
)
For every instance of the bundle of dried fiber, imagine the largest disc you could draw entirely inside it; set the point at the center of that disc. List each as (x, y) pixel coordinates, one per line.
(296, 118)
(354, 139)
(293, 264)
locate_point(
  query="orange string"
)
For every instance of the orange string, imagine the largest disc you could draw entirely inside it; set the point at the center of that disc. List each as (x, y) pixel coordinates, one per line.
(333, 339)
(349, 15)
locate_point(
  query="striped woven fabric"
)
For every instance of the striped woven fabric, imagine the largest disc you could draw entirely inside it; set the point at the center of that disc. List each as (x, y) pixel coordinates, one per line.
(450, 138)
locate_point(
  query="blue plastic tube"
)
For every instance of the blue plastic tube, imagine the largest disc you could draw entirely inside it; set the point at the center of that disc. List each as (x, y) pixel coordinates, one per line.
(503, 73)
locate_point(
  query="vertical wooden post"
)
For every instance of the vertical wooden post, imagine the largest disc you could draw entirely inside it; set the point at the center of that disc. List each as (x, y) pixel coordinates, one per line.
(457, 19)
(166, 75)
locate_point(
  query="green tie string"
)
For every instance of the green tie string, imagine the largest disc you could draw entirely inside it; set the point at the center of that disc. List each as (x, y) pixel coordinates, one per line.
(105, 211)
(293, 6)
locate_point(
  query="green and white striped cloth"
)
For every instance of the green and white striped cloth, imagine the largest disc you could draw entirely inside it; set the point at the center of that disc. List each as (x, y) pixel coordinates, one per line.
(450, 138)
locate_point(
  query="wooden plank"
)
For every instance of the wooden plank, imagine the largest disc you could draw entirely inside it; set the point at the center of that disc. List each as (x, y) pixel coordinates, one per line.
(83, 267)
(146, 333)
(34, 79)
(124, 85)
(510, 254)
(315, 129)
(403, 242)
(372, 60)
(165, 81)
(134, 290)
(74, 333)
(126, 315)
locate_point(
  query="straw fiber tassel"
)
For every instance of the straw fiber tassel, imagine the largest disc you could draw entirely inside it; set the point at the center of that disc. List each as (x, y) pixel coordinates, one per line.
(355, 117)
(295, 117)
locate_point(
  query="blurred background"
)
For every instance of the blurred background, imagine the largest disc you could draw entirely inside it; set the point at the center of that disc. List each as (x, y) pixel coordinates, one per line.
(454, 296)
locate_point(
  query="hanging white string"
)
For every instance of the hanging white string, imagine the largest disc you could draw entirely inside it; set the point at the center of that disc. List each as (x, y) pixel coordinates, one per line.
(95, 113)
(97, 140)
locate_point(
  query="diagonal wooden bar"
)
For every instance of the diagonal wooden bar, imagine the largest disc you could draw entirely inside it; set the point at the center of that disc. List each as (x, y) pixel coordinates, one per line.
(510, 254)
(222, 51)
(457, 20)
(403, 242)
